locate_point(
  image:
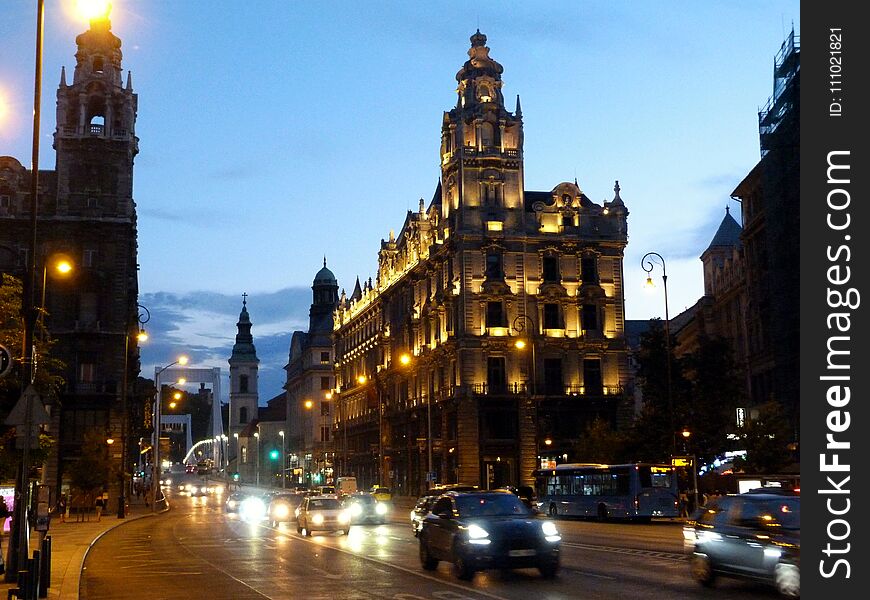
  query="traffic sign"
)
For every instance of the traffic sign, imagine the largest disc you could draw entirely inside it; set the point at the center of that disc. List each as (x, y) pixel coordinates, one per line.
(5, 361)
(681, 461)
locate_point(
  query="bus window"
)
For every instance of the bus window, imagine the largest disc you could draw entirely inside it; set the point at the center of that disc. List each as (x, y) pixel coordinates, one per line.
(655, 477)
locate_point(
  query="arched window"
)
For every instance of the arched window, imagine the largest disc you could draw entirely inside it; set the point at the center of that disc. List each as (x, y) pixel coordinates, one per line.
(98, 65)
(243, 414)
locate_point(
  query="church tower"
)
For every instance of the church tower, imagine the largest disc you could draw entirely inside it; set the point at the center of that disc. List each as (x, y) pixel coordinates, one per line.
(244, 365)
(95, 137)
(481, 148)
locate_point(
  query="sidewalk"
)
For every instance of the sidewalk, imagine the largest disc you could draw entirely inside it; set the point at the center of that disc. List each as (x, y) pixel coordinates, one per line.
(70, 542)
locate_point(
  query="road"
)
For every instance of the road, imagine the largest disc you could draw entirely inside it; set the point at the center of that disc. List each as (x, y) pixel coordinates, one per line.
(198, 551)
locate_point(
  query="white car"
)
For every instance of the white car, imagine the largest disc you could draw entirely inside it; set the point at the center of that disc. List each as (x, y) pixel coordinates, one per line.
(322, 513)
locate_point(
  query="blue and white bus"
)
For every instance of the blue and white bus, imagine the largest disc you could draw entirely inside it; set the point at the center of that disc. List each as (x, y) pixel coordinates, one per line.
(638, 491)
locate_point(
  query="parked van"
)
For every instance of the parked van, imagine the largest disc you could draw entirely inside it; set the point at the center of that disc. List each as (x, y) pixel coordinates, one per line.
(346, 485)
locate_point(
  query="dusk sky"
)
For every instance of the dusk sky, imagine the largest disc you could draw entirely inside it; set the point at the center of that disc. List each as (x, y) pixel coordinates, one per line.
(273, 133)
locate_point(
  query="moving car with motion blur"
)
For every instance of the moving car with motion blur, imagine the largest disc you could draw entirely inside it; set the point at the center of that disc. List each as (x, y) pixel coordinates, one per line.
(755, 536)
(487, 530)
(322, 513)
(282, 507)
(364, 508)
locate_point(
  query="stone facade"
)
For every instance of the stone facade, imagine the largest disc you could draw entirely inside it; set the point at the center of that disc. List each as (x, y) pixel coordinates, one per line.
(494, 330)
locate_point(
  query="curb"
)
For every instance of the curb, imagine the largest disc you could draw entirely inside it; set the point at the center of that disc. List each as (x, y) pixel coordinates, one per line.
(96, 539)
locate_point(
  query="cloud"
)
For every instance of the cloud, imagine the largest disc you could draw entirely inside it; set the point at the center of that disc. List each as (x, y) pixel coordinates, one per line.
(202, 325)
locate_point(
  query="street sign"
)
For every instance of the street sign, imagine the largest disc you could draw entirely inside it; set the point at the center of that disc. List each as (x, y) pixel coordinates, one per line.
(5, 361)
(681, 461)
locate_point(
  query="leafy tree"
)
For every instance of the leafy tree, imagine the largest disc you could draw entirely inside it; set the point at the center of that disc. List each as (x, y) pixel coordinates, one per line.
(600, 443)
(652, 435)
(715, 393)
(766, 439)
(47, 382)
(92, 471)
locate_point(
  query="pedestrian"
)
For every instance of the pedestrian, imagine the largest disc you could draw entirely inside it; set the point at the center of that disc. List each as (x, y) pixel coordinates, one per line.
(684, 504)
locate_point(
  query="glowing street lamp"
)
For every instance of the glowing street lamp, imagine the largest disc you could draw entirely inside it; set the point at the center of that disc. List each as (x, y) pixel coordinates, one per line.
(283, 461)
(155, 468)
(93, 10)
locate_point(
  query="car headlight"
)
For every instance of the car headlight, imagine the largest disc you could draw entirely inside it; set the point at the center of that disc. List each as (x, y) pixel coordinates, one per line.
(356, 510)
(219, 489)
(168, 481)
(203, 489)
(478, 535)
(317, 519)
(252, 509)
(232, 503)
(189, 487)
(281, 511)
(551, 534)
(344, 517)
(413, 516)
(381, 508)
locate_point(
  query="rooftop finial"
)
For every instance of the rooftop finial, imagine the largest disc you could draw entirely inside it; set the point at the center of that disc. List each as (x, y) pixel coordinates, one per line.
(519, 111)
(478, 39)
(727, 210)
(324, 261)
(244, 299)
(63, 76)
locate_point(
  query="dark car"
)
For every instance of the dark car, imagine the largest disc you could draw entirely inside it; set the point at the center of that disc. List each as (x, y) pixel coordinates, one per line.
(424, 503)
(282, 507)
(526, 493)
(231, 505)
(364, 508)
(752, 536)
(486, 530)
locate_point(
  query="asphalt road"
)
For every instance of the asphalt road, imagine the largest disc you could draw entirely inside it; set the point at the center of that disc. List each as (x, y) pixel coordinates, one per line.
(197, 551)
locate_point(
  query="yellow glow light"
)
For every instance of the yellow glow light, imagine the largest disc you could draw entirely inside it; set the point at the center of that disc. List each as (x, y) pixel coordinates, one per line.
(110, 441)
(686, 433)
(177, 395)
(142, 336)
(362, 379)
(405, 359)
(172, 405)
(93, 10)
(548, 441)
(520, 344)
(494, 225)
(649, 283)
(309, 404)
(63, 266)
(328, 395)
(182, 360)
(182, 381)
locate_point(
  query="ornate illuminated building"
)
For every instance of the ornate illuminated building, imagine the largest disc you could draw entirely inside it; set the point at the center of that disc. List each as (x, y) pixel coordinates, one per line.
(494, 330)
(85, 213)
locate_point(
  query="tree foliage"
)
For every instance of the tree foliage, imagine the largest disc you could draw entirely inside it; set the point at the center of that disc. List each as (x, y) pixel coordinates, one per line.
(91, 472)
(600, 443)
(766, 439)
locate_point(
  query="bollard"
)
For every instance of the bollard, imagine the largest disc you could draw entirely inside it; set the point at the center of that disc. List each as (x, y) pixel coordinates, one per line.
(34, 566)
(23, 584)
(45, 567)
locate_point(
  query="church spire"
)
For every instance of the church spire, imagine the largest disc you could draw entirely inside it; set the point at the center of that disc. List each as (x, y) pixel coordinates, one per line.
(244, 348)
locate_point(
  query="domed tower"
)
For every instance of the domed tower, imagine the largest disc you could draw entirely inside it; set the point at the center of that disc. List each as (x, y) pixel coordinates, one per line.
(324, 301)
(244, 365)
(481, 148)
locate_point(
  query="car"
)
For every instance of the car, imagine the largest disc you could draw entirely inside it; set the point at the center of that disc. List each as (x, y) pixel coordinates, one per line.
(253, 508)
(487, 530)
(197, 489)
(420, 510)
(754, 536)
(381, 493)
(326, 490)
(231, 505)
(424, 502)
(526, 493)
(365, 509)
(282, 507)
(322, 513)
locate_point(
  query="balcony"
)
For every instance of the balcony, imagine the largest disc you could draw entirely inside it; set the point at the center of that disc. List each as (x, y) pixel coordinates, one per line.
(486, 389)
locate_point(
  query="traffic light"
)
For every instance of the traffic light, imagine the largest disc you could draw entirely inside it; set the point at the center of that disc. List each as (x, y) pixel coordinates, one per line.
(235, 476)
(273, 454)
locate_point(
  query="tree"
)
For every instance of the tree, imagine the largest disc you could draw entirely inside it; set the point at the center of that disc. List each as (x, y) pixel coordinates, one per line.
(709, 411)
(47, 380)
(91, 473)
(600, 444)
(766, 440)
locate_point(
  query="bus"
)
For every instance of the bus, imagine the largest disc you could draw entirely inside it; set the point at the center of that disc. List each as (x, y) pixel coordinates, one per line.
(637, 491)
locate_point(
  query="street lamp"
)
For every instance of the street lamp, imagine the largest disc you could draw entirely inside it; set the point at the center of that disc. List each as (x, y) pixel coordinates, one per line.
(686, 435)
(141, 336)
(238, 450)
(257, 435)
(647, 263)
(155, 467)
(521, 322)
(283, 461)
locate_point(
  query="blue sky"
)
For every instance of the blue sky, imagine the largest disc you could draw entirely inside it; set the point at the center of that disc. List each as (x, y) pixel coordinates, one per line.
(274, 132)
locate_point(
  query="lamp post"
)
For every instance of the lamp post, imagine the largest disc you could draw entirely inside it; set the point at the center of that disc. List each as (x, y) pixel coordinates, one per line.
(155, 448)
(20, 535)
(520, 323)
(238, 451)
(257, 435)
(647, 263)
(686, 435)
(141, 336)
(283, 461)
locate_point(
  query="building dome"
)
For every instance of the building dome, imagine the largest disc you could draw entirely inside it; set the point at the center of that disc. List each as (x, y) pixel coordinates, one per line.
(325, 276)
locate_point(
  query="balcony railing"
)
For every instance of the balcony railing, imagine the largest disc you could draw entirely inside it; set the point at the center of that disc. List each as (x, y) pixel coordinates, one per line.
(488, 389)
